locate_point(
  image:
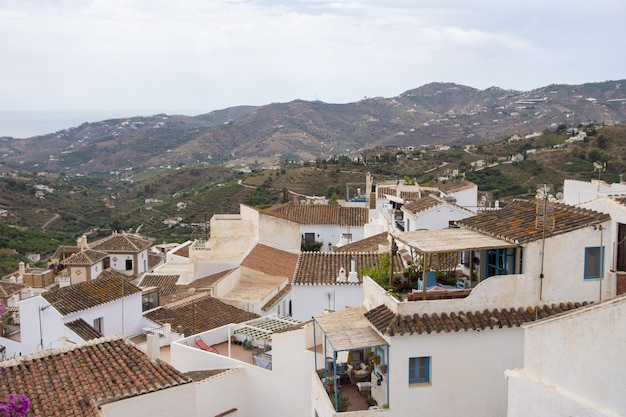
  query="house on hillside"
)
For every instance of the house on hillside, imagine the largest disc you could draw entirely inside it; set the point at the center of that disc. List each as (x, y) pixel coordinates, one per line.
(322, 226)
(104, 306)
(578, 192)
(431, 212)
(128, 253)
(84, 265)
(328, 281)
(560, 248)
(584, 376)
(462, 192)
(103, 377)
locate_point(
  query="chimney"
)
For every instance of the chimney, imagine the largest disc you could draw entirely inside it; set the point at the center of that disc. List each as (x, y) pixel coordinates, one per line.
(22, 269)
(342, 275)
(353, 276)
(81, 242)
(154, 349)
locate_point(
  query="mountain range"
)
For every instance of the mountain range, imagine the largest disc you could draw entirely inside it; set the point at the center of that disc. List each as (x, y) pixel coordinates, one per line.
(436, 113)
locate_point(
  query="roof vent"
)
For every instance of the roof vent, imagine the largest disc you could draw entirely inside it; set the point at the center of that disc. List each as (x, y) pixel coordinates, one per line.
(342, 275)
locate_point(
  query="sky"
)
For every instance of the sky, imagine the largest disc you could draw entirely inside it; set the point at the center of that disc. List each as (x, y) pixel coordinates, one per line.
(195, 56)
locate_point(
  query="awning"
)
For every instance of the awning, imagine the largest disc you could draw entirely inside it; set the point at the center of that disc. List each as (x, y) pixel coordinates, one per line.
(349, 329)
(450, 240)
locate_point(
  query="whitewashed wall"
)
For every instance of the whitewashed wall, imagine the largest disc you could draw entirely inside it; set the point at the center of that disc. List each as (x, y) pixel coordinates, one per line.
(573, 365)
(282, 391)
(53, 324)
(577, 192)
(467, 373)
(467, 198)
(435, 218)
(563, 265)
(331, 234)
(311, 300)
(179, 401)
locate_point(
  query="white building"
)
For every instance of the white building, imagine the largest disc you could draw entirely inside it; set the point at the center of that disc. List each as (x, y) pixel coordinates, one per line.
(431, 213)
(105, 306)
(584, 376)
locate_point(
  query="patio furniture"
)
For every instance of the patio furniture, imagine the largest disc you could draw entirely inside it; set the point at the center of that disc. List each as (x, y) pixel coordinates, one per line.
(202, 345)
(364, 387)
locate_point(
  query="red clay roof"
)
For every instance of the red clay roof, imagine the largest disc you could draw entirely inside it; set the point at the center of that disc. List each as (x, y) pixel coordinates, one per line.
(392, 324)
(85, 257)
(322, 268)
(165, 283)
(455, 186)
(271, 261)
(370, 244)
(83, 329)
(198, 314)
(121, 242)
(275, 299)
(72, 381)
(318, 214)
(110, 286)
(517, 222)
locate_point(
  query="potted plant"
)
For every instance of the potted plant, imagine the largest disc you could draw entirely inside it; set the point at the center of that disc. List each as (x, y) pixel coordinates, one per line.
(383, 368)
(377, 359)
(330, 385)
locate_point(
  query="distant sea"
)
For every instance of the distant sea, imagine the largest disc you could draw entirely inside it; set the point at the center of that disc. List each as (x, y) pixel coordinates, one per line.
(27, 124)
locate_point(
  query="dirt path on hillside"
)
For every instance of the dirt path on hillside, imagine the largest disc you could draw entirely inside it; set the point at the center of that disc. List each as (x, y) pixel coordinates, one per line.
(53, 219)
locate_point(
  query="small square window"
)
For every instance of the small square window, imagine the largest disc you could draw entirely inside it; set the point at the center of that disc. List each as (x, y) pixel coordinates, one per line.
(419, 370)
(594, 257)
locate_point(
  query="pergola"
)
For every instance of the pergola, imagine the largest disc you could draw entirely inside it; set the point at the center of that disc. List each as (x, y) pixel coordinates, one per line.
(346, 330)
(451, 240)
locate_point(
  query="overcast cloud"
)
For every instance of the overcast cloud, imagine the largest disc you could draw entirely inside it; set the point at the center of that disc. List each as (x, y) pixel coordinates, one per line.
(195, 56)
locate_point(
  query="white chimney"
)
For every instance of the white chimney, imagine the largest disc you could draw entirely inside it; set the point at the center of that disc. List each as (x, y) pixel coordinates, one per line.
(22, 268)
(342, 275)
(353, 276)
(154, 349)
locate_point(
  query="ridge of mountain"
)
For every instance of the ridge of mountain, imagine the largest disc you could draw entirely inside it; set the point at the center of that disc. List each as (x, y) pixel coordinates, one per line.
(436, 113)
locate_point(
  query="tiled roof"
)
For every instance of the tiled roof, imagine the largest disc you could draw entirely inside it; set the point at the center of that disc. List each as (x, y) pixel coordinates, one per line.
(517, 222)
(322, 268)
(275, 299)
(271, 261)
(165, 283)
(183, 251)
(391, 190)
(108, 287)
(63, 252)
(450, 187)
(154, 260)
(83, 329)
(370, 244)
(198, 314)
(423, 204)
(121, 242)
(205, 282)
(85, 257)
(73, 381)
(318, 214)
(392, 324)
(7, 289)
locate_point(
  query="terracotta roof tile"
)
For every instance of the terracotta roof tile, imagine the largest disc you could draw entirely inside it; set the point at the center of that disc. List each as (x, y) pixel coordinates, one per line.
(72, 381)
(83, 329)
(63, 252)
(370, 244)
(198, 314)
(110, 286)
(7, 289)
(423, 204)
(450, 187)
(86, 257)
(183, 251)
(381, 191)
(322, 268)
(271, 261)
(392, 324)
(275, 299)
(154, 260)
(317, 214)
(165, 283)
(517, 222)
(121, 242)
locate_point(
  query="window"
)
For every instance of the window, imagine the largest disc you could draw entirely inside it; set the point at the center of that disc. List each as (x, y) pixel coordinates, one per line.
(97, 324)
(347, 236)
(309, 237)
(594, 258)
(129, 264)
(419, 370)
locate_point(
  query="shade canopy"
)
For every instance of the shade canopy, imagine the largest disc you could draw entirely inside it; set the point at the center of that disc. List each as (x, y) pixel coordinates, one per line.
(450, 240)
(349, 329)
